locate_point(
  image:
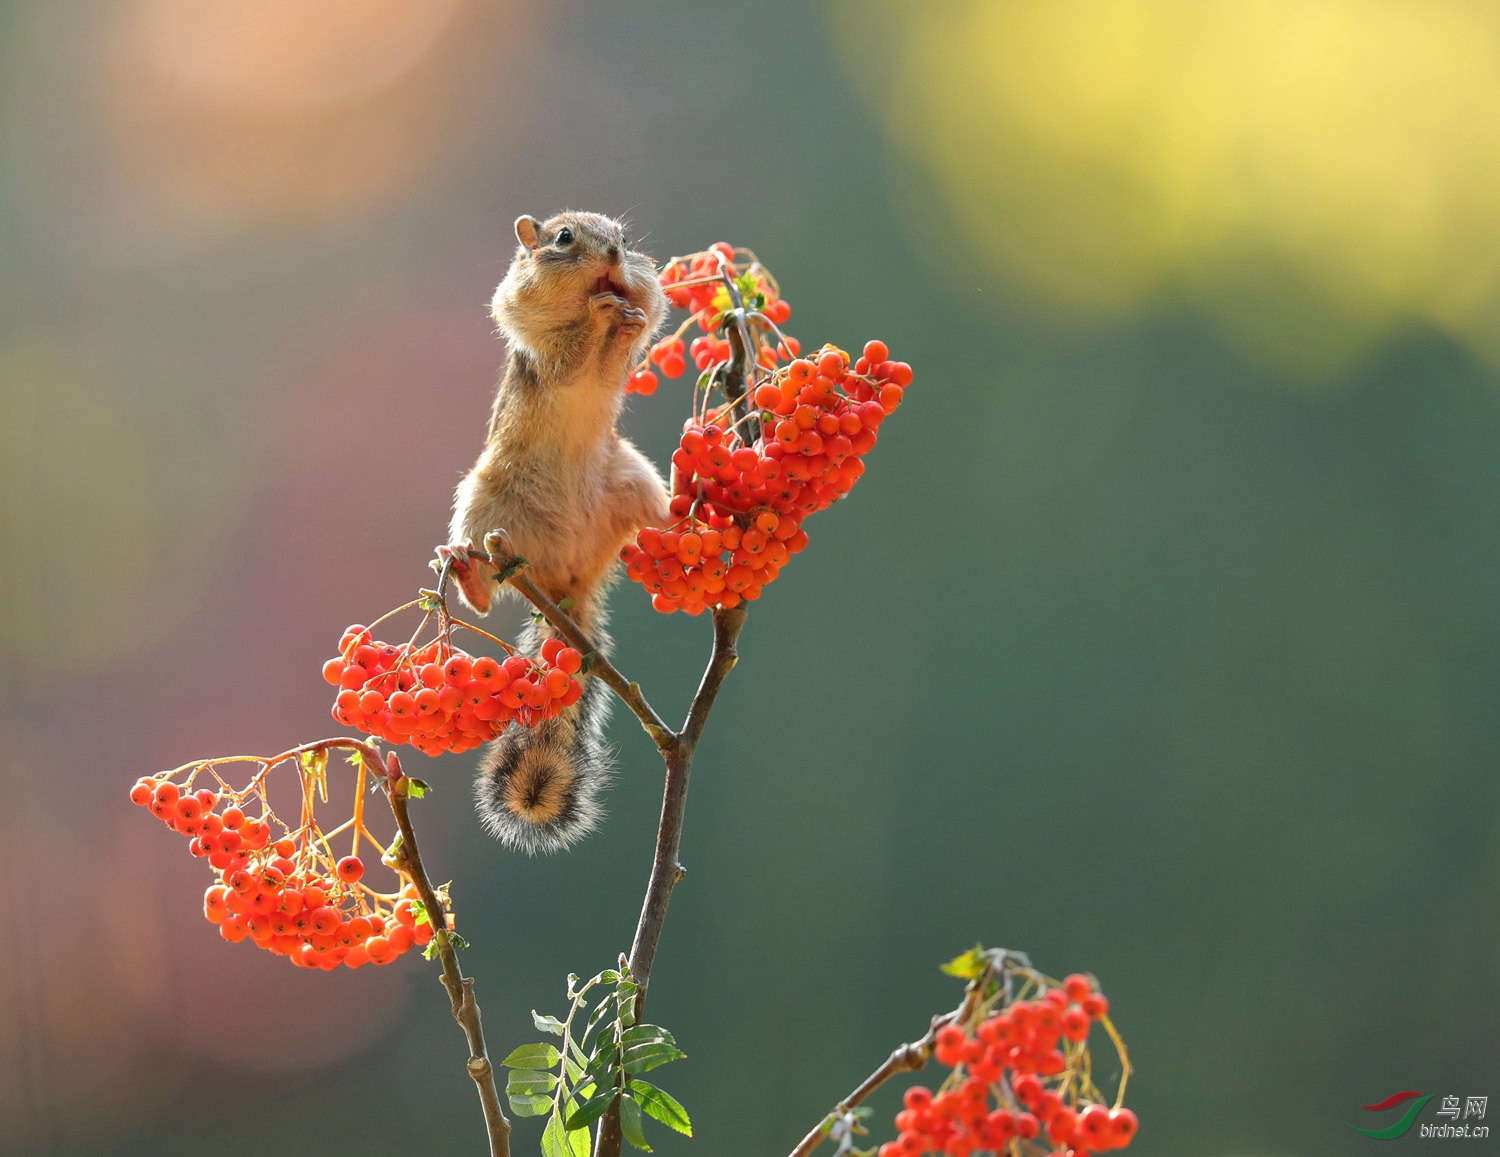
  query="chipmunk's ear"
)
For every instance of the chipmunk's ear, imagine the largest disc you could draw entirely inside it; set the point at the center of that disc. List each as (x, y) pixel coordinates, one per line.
(526, 231)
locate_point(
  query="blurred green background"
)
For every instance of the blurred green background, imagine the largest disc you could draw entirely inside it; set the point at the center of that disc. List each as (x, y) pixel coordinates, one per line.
(1159, 639)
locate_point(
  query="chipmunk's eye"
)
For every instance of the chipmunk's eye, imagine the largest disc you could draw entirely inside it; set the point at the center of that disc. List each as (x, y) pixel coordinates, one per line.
(565, 236)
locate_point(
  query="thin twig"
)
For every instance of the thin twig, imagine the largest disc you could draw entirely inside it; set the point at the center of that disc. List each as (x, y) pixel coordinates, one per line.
(460, 987)
(904, 1059)
(597, 663)
(629, 692)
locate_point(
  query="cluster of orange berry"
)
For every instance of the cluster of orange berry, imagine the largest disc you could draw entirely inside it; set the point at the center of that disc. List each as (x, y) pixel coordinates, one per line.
(741, 487)
(1023, 1072)
(697, 284)
(288, 896)
(439, 698)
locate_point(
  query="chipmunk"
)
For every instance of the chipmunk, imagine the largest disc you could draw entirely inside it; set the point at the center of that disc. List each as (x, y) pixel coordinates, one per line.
(577, 307)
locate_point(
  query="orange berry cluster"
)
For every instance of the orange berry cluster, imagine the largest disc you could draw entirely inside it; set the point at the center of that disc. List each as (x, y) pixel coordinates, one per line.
(740, 500)
(288, 896)
(696, 283)
(1016, 1077)
(439, 698)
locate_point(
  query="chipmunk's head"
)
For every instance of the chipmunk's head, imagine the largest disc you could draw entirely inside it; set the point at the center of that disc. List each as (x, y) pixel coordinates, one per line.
(562, 263)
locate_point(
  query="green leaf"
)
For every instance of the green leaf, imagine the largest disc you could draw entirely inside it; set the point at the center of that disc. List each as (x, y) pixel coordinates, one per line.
(455, 939)
(558, 1141)
(575, 1071)
(546, 1023)
(417, 788)
(596, 1016)
(587, 664)
(625, 996)
(605, 1057)
(630, 1124)
(537, 1056)
(530, 1104)
(644, 1058)
(525, 1082)
(315, 767)
(420, 914)
(642, 1033)
(590, 1111)
(567, 604)
(663, 1106)
(970, 965)
(513, 568)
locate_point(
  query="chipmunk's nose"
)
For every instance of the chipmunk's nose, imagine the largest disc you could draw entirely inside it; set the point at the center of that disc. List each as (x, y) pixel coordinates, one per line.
(614, 254)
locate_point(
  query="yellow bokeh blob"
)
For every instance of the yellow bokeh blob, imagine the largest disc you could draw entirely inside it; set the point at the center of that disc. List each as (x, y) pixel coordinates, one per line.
(1313, 174)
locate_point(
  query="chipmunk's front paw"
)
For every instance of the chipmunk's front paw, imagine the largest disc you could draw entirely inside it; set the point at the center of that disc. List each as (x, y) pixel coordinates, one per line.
(608, 303)
(476, 579)
(623, 319)
(632, 320)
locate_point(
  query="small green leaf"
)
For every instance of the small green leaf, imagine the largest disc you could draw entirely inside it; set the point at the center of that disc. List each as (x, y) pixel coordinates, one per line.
(630, 1124)
(968, 966)
(537, 1056)
(596, 1016)
(315, 767)
(663, 1106)
(546, 1023)
(529, 1105)
(590, 1111)
(606, 1053)
(455, 939)
(567, 604)
(644, 1058)
(513, 568)
(560, 1141)
(557, 1141)
(587, 664)
(420, 914)
(525, 1082)
(417, 788)
(642, 1033)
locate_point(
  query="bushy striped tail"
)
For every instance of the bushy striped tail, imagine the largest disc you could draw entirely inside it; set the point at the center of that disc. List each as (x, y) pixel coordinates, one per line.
(539, 787)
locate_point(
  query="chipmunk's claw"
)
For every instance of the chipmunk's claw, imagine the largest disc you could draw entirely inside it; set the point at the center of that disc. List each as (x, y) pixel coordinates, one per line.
(456, 552)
